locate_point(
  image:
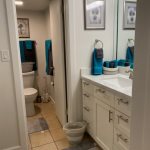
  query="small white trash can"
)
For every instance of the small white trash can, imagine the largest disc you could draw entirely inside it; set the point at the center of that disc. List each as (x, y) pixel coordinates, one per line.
(75, 132)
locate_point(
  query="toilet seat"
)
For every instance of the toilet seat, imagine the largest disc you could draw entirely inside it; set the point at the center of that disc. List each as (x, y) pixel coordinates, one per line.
(30, 91)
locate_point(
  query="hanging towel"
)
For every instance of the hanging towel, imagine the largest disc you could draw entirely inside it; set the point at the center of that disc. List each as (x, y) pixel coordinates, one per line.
(130, 54)
(97, 63)
(21, 45)
(49, 58)
(28, 52)
(29, 44)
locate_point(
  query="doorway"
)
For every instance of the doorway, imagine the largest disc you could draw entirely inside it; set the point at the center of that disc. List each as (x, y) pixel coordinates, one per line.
(46, 23)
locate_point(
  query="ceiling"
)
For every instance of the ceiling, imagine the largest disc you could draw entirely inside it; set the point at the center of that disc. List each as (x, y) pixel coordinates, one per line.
(34, 5)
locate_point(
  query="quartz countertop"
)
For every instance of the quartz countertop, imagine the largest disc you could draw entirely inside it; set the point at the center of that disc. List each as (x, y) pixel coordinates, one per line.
(99, 81)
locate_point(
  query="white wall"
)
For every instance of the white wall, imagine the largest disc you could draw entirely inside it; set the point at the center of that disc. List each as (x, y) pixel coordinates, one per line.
(123, 34)
(39, 22)
(12, 108)
(80, 48)
(50, 79)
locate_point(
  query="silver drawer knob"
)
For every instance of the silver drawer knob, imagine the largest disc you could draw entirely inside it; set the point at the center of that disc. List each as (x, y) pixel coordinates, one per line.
(86, 108)
(120, 100)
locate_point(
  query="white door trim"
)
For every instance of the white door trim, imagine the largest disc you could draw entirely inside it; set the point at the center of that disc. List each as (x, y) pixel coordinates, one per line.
(70, 35)
(17, 73)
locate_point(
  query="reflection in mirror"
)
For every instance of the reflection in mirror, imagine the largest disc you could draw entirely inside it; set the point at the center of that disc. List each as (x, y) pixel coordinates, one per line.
(126, 30)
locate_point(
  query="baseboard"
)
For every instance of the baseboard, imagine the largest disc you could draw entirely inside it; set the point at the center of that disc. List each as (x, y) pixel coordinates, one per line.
(13, 148)
(53, 101)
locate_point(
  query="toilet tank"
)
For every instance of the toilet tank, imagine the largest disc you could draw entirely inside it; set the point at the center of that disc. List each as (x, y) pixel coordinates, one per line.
(28, 79)
(27, 66)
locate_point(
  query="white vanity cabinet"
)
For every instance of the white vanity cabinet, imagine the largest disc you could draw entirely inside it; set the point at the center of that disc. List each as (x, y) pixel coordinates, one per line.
(104, 125)
(88, 106)
(108, 116)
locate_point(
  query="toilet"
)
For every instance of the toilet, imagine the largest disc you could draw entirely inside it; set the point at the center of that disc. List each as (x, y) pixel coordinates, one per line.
(30, 93)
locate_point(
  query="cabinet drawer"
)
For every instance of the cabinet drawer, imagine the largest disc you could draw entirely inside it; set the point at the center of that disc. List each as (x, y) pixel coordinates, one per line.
(88, 117)
(105, 96)
(89, 88)
(121, 141)
(123, 105)
(122, 122)
(88, 100)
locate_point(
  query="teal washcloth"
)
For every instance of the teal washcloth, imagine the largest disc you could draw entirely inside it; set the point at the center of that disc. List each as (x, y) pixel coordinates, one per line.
(121, 62)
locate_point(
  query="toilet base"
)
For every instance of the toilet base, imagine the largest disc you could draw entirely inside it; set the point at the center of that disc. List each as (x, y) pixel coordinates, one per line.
(30, 109)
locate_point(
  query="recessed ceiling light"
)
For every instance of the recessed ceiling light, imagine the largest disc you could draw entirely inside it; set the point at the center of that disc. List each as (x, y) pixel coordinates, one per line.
(19, 3)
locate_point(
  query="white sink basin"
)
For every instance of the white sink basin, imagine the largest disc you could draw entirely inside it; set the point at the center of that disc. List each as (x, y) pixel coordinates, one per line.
(119, 82)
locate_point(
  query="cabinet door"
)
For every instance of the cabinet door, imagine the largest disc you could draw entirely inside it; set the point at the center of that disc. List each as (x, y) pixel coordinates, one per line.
(104, 125)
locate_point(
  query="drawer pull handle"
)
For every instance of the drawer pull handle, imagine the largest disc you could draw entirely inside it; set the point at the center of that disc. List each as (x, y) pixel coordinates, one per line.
(86, 122)
(122, 101)
(101, 91)
(110, 116)
(86, 95)
(85, 83)
(122, 138)
(122, 118)
(87, 109)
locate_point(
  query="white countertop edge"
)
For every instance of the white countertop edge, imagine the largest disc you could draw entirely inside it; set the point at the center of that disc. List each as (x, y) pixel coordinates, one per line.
(96, 80)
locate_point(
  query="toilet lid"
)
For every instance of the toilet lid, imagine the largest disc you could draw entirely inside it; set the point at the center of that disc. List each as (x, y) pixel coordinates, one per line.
(30, 91)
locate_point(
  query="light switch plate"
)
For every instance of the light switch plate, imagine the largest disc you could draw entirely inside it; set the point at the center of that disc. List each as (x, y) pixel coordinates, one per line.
(5, 57)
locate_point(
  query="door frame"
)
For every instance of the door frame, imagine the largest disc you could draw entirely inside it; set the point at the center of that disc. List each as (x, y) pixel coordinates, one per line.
(17, 73)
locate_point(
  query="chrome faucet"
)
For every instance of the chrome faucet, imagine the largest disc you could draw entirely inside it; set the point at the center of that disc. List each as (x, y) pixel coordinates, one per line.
(131, 74)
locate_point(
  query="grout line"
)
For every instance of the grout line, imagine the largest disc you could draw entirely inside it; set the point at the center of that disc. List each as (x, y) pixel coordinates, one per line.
(43, 145)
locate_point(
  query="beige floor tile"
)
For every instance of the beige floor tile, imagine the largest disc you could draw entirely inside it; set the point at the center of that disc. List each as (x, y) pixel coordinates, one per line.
(49, 115)
(50, 146)
(48, 111)
(62, 144)
(40, 138)
(46, 107)
(36, 116)
(53, 123)
(58, 134)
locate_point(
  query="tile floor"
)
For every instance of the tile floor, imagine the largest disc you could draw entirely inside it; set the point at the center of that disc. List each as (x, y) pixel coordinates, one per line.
(52, 139)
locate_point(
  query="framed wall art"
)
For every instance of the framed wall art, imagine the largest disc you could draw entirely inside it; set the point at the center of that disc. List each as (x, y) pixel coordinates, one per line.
(23, 27)
(94, 14)
(129, 14)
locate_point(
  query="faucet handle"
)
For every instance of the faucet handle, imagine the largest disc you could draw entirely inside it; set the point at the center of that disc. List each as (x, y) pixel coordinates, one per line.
(129, 71)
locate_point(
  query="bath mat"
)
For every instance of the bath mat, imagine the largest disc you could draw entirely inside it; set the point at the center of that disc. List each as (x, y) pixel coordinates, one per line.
(36, 125)
(87, 144)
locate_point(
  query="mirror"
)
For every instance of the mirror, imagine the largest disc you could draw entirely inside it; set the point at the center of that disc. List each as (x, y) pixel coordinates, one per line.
(126, 18)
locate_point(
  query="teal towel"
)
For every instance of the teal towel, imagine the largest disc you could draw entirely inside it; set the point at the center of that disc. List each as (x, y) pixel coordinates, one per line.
(97, 64)
(121, 62)
(49, 57)
(129, 55)
(22, 55)
(28, 52)
(28, 44)
(132, 66)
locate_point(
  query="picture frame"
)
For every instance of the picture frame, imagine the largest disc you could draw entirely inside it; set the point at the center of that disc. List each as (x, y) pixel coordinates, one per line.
(94, 14)
(23, 27)
(129, 15)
